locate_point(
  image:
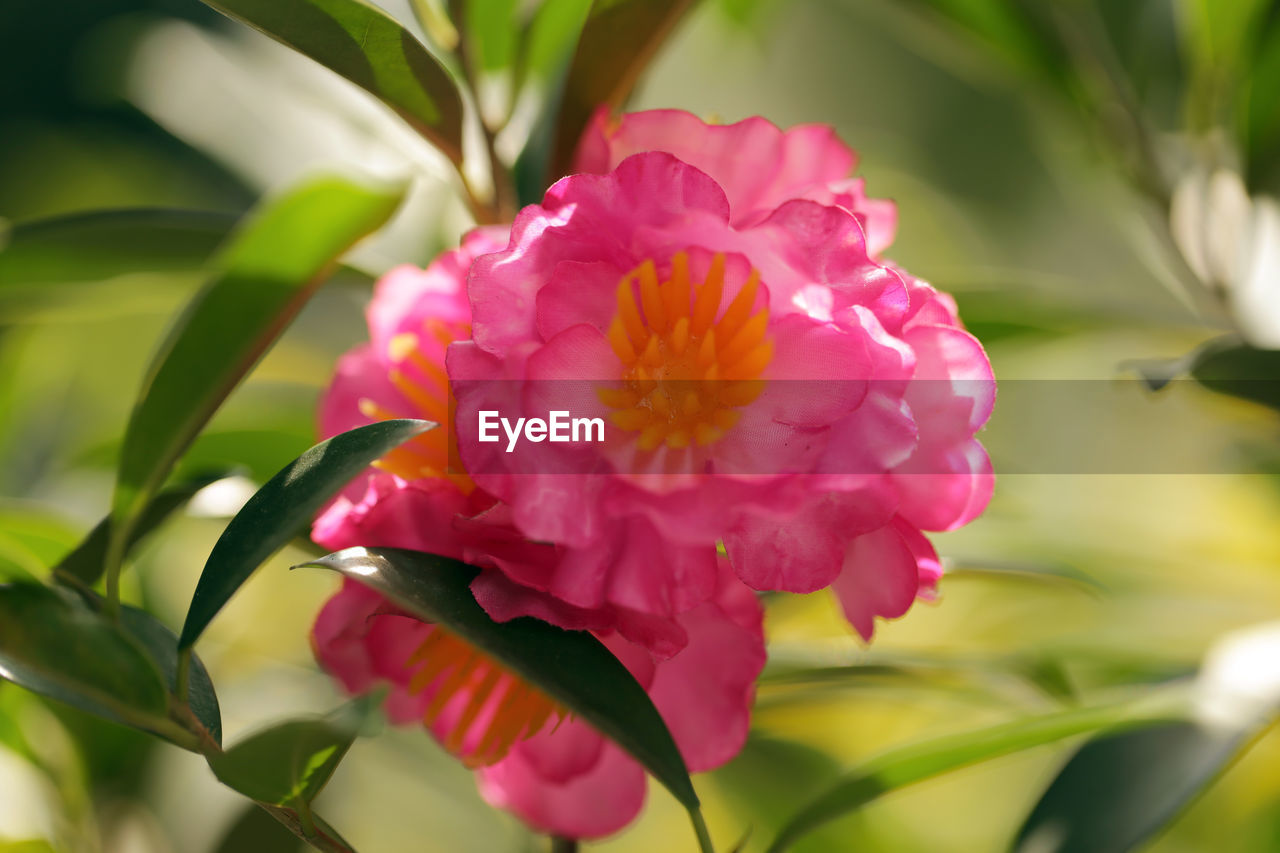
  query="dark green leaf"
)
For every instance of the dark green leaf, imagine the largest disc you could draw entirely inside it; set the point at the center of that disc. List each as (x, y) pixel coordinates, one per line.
(368, 47)
(53, 643)
(617, 43)
(86, 562)
(162, 645)
(289, 763)
(287, 502)
(1120, 789)
(269, 270)
(572, 667)
(90, 247)
(255, 831)
(913, 763)
(1241, 371)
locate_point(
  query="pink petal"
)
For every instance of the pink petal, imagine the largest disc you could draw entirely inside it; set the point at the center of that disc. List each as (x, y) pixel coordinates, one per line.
(880, 577)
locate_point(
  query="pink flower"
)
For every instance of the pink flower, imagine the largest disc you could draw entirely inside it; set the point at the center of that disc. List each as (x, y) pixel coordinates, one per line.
(414, 498)
(554, 771)
(714, 294)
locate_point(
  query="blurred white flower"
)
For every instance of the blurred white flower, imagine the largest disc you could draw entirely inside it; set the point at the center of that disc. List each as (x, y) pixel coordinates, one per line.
(1232, 244)
(1239, 683)
(271, 116)
(221, 498)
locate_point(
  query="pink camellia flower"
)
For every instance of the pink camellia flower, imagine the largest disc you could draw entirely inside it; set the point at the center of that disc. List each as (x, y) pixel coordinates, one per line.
(714, 295)
(413, 498)
(554, 771)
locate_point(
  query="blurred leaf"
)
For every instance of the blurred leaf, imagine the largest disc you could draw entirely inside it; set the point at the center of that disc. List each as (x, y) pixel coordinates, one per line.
(91, 247)
(1014, 30)
(618, 41)
(435, 22)
(36, 846)
(572, 667)
(286, 503)
(36, 534)
(162, 645)
(490, 36)
(771, 778)
(255, 831)
(86, 562)
(1240, 371)
(1261, 119)
(915, 762)
(548, 52)
(54, 644)
(368, 47)
(1120, 789)
(268, 271)
(17, 560)
(1060, 573)
(289, 763)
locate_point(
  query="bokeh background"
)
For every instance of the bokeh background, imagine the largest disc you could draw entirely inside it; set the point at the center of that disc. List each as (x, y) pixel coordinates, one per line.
(1015, 196)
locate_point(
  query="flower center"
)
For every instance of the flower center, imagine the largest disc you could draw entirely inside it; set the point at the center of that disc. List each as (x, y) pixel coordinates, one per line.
(423, 382)
(485, 708)
(687, 367)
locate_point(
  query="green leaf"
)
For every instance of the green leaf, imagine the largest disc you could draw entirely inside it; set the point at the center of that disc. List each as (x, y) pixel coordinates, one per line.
(368, 47)
(1060, 573)
(548, 53)
(772, 777)
(1120, 789)
(572, 667)
(87, 560)
(269, 270)
(54, 644)
(276, 511)
(1240, 371)
(162, 645)
(490, 31)
(289, 763)
(913, 763)
(255, 831)
(617, 43)
(91, 247)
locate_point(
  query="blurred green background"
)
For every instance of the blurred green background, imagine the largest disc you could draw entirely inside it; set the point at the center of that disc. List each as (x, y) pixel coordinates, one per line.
(1013, 193)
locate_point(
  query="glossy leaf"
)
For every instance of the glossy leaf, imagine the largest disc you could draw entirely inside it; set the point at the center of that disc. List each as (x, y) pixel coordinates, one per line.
(279, 509)
(90, 247)
(288, 764)
(618, 41)
(1120, 789)
(913, 763)
(368, 47)
(162, 645)
(54, 644)
(269, 270)
(87, 560)
(572, 667)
